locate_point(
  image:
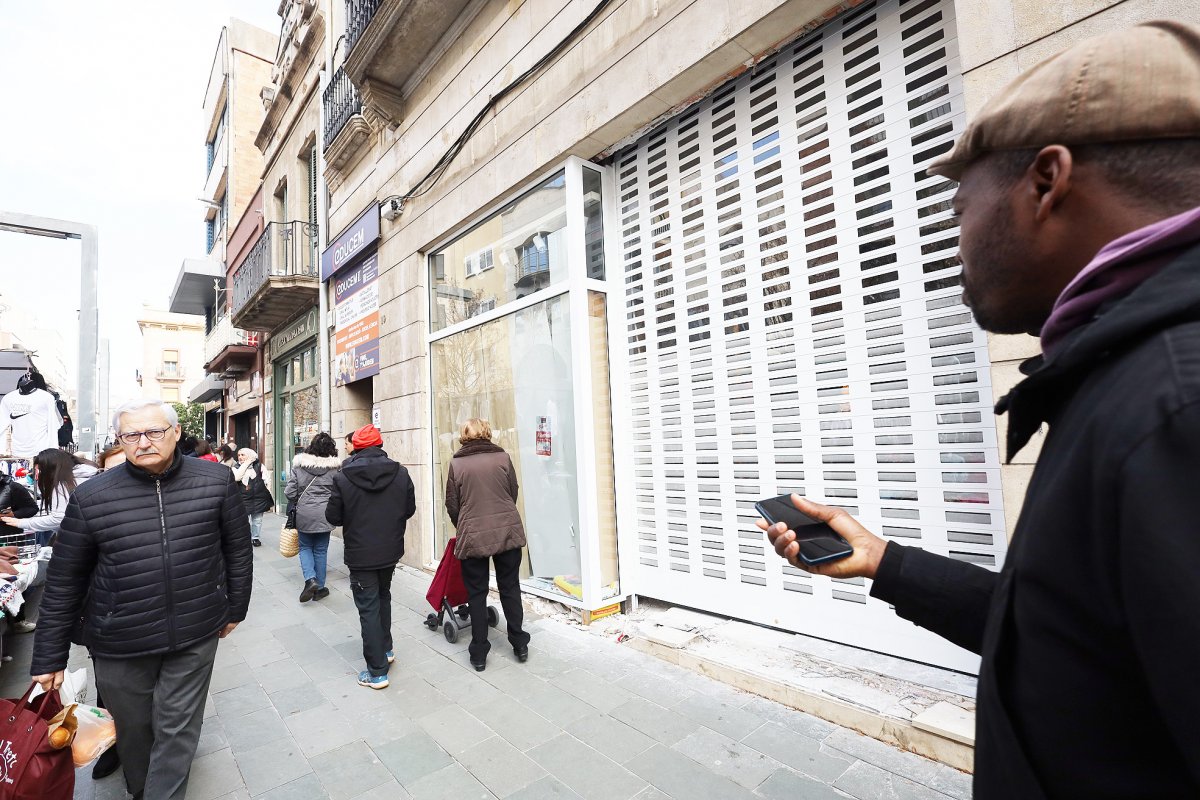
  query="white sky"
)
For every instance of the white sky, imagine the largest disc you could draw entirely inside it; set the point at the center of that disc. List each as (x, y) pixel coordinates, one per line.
(102, 124)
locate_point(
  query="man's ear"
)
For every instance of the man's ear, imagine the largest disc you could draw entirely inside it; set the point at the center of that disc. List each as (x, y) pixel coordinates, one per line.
(1050, 179)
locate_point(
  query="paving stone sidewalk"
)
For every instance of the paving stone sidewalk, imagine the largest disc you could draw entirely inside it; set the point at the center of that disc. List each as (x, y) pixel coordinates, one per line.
(585, 718)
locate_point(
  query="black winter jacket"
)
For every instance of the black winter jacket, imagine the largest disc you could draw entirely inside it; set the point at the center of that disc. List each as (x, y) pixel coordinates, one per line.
(1090, 634)
(372, 498)
(255, 495)
(152, 564)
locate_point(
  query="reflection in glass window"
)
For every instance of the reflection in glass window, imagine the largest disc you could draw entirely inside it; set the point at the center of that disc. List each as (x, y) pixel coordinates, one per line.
(513, 253)
(593, 231)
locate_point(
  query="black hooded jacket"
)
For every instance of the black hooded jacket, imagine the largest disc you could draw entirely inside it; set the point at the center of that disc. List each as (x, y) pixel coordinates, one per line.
(1090, 634)
(151, 563)
(372, 498)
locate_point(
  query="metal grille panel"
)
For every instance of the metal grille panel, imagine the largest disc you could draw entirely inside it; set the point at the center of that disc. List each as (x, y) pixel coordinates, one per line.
(793, 323)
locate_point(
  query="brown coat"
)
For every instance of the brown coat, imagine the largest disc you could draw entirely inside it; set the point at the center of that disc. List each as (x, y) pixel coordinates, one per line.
(481, 499)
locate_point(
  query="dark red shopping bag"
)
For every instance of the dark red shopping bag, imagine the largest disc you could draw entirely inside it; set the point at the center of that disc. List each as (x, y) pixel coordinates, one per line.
(29, 767)
(447, 581)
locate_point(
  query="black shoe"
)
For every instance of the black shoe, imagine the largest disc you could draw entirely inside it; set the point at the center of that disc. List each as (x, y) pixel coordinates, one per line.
(106, 764)
(522, 653)
(310, 590)
(321, 593)
(479, 666)
(256, 542)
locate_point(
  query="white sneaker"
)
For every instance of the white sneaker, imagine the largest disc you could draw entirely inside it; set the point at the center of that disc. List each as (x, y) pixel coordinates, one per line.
(23, 626)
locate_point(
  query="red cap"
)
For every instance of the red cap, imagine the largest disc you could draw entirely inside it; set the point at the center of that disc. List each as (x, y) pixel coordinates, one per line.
(366, 436)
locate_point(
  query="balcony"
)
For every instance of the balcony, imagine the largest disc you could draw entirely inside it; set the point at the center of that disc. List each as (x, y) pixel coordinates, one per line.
(345, 128)
(169, 372)
(229, 352)
(390, 45)
(278, 277)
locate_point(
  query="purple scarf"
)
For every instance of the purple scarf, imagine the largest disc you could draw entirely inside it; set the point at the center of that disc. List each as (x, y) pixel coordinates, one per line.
(1116, 270)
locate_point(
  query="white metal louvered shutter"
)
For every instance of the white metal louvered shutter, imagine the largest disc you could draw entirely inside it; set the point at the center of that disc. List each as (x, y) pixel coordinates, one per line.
(793, 323)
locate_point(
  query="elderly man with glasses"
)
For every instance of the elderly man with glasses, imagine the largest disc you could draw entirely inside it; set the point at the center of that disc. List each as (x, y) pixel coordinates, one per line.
(154, 556)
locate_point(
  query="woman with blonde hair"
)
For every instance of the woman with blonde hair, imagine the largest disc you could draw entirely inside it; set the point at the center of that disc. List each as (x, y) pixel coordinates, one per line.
(255, 494)
(481, 499)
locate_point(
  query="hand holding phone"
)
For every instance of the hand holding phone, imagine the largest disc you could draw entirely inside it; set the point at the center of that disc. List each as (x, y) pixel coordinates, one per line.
(868, 548)
(819, 543)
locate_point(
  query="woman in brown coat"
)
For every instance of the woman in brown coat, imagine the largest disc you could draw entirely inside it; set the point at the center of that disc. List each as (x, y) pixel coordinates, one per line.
(481, 498)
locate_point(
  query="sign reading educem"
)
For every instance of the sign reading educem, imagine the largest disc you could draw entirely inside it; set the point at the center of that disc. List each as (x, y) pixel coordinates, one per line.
(356, 326)
(354, 241)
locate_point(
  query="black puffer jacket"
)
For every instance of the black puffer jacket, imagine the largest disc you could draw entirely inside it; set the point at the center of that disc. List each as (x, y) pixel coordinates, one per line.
(152, 564)
(372, 498)
(255, 494)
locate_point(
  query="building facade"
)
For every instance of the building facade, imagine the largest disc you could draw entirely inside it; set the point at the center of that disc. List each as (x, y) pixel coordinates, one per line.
(232, 114)
(172, 354)
(684, 255)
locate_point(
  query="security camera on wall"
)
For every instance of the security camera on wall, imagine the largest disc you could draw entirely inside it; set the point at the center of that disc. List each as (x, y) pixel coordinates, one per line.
(391, 209)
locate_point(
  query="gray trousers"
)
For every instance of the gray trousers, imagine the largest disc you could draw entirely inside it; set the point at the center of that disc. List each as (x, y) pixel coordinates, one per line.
(157, 703)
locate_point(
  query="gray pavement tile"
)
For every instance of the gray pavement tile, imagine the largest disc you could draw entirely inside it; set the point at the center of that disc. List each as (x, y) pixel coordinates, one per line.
(240, 701)
(271, 765)
(391, 790)
(238, 794)
(552, 703)
(799, 721)
(336, 632)
(297, 699)
(724, 756)
(227, 654)
(651, 793)
(416, 698)
(940, 777)
(499, 766)
(306, 787)
(798, 752)
(655, 721)
(449, 783)
(468, 690)
(212, 775)
(349, 770)
(280, 675)
(587, 772)
(321, 729)
(544, 665)
(330, 666)
(722, 717)
(212, 737)
(611, 737)
(548, 788)
(676, 774)
(388, 724)
(231, 677)
(654, 687)
(515, 723)
(595, 691)
(253, 730)
(266, 650)
(785, 784)
(350, 650)
(352, 699)
(869, 782)
(412, 757)
(454, 729)
(409, 651)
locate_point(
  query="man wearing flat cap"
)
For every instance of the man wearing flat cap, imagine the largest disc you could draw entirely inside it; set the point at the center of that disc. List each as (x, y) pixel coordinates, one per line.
(1079, 210)
(372, 498)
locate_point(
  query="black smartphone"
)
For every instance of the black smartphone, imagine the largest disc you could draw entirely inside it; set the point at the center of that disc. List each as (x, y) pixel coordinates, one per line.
(818, 542)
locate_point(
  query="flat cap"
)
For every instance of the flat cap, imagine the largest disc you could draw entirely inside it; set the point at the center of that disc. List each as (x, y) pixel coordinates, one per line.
(1137, 84)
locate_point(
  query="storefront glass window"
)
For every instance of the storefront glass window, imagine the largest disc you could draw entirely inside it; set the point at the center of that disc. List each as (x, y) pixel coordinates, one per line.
(516, 372)
(593, 227)
(513, 253)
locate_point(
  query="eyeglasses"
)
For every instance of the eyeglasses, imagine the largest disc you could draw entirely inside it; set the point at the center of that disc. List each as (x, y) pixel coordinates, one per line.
(133, 437)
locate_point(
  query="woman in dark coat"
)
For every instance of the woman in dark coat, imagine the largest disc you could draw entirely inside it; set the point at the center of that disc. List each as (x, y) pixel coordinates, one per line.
(308, 487)
(255, 493)
(481, 499)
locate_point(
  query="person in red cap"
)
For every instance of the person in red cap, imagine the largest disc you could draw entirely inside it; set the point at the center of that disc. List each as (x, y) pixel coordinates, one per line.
(372, 498)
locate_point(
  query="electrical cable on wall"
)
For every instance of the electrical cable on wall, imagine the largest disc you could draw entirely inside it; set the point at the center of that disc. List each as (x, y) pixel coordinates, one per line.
(426, 183)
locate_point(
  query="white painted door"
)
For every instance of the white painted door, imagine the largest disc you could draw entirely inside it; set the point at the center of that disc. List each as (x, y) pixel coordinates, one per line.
(793, 323)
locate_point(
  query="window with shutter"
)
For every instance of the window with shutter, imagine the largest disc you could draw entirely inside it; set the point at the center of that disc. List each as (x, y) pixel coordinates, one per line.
(794, 324)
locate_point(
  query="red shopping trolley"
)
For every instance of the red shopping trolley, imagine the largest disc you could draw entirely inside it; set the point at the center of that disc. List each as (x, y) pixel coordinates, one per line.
(448, 596)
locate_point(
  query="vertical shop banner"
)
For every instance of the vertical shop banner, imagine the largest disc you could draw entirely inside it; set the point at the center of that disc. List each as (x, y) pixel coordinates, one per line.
(356, 329)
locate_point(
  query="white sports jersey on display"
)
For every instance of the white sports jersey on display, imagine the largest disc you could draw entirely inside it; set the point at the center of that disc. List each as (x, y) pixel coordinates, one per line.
(34, 421)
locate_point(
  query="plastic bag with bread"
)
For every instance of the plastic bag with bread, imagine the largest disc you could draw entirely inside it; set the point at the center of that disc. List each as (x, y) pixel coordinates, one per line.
(87, 730)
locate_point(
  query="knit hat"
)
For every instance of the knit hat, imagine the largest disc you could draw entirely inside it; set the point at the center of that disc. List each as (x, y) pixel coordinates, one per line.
(366, 436)
(1130, 85)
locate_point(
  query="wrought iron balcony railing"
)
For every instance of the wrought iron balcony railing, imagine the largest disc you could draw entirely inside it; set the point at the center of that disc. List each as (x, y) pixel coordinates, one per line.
(285, 249)
(341, 103)
(358, 17)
